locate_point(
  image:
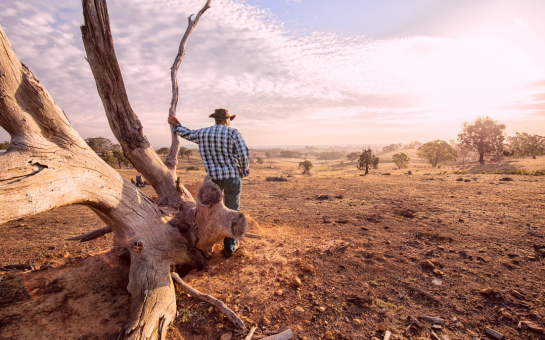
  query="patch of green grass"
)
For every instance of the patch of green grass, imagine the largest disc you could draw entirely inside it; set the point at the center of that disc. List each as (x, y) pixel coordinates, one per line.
(516, 172)
(192, 167)
(461, 172)
(383, 304)
(183, 314)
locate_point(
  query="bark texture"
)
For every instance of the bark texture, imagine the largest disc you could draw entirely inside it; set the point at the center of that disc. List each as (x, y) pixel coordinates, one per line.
(48, 165)
(172, 158)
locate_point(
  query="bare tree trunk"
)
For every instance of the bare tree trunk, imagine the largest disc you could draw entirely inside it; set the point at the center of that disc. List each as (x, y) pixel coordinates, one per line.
(48, 165)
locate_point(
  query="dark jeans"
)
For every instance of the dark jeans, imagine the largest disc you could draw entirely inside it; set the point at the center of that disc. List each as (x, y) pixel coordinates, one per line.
(231, 198)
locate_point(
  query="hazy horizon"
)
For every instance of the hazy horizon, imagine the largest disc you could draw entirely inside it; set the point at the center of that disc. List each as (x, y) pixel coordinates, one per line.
(300, 72)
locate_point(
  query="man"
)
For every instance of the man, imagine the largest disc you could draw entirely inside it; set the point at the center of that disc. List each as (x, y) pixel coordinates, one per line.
(226, 159)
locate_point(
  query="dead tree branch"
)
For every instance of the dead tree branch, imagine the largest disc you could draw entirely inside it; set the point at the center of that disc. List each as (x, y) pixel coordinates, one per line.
(91, 235)
(48, 165)
(172, 157)
(211, 300)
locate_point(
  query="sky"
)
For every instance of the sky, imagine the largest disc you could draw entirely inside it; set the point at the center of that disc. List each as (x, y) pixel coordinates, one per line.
(300, 72)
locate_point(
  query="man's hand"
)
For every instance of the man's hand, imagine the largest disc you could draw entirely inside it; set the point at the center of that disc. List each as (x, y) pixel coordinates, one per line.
(173, 120)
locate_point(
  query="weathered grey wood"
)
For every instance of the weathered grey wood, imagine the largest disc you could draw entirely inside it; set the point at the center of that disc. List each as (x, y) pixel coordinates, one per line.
(250, 235)
(213, 301)
(285, 335)
(48, 165)
(125, 125)
(91, 235)
(251, 334)
(494, 334)
(172, 157)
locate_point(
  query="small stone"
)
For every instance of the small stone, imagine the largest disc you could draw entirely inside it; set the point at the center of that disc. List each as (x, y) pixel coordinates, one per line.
(299, 310)
(33, 292)
(487, 291)
(279, 292)
(438, 272)
(436, 327)
(308, 267)
(265, 321)
(356, 322)
(428, 264)
(517, 294)
(328, 335)
(534, 327)
(506, 314)
(321, 309)
(65, 255)
(380, 327)
(226, 336)
(297, 282)
(283, 261)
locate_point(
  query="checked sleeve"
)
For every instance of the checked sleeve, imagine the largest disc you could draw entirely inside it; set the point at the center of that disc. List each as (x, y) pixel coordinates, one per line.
(242, 153)
(188, 134)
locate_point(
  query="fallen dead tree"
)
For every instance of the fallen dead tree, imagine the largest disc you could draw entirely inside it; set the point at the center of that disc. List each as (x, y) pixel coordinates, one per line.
(48, 165)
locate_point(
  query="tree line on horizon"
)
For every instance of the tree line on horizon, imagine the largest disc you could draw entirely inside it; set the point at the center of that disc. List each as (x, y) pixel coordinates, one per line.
(484, 138)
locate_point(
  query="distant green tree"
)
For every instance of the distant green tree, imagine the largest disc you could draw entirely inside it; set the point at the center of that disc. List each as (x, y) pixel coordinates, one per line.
(391, 148)
(484, 135)
(260, 160)
(185, 152)
(367, 158)
(330, 155)
(120, 157)
(524, 144)
(4, 146)
(412, 145)
(109, 158)
(401, 160)
(437, 152)
(353, 156)
(291, 154)
(269, 156)
(306, 165)
(99, 144)
(163, 151)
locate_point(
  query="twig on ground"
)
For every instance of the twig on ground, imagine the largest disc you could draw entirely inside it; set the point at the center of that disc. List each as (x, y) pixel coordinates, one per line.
(285, 335)
(387, 335)
(249, 336)
(211, 300)
(343, 247)
(91, 235)
(423, 292)
(250, 235)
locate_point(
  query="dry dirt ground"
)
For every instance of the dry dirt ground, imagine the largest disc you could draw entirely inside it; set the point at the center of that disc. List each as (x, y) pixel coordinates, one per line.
(338, 268)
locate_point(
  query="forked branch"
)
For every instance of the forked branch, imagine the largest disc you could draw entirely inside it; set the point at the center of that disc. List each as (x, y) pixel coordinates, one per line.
(211, 300)
(99, 46)
(172, 158)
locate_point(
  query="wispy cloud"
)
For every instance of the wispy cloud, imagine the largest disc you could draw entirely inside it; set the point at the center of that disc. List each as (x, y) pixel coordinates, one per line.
(520, 23)
(240, 57)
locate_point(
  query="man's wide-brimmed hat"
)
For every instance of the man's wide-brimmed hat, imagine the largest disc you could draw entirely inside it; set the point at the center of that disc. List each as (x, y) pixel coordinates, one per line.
(221, 114)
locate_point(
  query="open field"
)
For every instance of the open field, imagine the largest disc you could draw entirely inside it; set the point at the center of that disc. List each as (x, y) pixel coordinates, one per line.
(356, 254)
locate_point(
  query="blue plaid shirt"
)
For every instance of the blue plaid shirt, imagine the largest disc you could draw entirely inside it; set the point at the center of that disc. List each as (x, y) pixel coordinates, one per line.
(223, 151)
